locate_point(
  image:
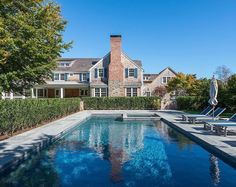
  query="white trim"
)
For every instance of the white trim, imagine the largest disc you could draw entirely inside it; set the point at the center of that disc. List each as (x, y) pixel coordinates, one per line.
(129, 59)
(101, 60)
(62, 93)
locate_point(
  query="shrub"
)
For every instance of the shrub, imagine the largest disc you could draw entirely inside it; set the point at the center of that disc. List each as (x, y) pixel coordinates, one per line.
(21, 114)
(121, 103)
(191, 102)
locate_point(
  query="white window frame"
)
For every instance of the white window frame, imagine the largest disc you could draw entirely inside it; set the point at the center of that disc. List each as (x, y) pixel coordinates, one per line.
(167, 78)
(100, 69)
(132, 93)
(64, 64)
(59, 76)
(133, 70)
(100, 93)
(84, 78)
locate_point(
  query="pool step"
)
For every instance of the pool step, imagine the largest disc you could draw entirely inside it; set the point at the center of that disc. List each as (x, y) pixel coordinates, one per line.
(139, 117)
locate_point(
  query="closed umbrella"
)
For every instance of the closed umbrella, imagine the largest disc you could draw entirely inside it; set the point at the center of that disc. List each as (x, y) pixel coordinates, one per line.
(213, 93)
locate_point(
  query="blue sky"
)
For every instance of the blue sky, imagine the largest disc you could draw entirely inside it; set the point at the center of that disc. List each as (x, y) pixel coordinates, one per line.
(191, 36)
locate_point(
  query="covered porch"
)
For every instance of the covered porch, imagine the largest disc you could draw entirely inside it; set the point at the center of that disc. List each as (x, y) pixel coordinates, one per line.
(60, 90)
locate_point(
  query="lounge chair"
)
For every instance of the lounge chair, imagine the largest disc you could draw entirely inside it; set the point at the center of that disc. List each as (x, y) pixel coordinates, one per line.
(220, 124)
(205, 112)
(214, 115)
(221, 128)
(232, 119)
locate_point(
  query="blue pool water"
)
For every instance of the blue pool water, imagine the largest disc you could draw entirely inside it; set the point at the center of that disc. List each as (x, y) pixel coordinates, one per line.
(107, 152)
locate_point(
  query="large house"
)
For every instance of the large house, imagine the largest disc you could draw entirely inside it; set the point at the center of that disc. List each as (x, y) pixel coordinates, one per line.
(113, 75)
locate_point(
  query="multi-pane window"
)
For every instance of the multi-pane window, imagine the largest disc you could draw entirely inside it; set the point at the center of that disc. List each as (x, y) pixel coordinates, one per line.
(128, 92)
(83, 92)
(64, 64)
(62, 76)
(56, 76)
(84, 77)
(165, 80)
(135, 92)
(131, 72)
(100, 72)
(59, 76)
(100, 92)
(131, 92)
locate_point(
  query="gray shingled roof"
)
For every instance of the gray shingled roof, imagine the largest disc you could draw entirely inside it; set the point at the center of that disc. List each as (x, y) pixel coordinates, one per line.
(83, 64)
(79, 64)
(150, 76)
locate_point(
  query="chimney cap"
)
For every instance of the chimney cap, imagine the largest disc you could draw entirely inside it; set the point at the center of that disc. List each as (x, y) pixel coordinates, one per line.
(115, 36)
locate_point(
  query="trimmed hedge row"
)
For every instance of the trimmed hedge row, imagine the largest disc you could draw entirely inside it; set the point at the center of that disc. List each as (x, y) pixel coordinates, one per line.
(121, 103)
(191, 102)
(21, 114)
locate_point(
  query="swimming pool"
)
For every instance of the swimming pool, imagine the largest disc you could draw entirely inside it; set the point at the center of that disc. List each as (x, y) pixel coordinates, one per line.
(104, 151)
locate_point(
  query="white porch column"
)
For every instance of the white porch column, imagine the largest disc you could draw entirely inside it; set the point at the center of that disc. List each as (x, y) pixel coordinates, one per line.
(23, 96)
(3, 95)
(32, 93)
(36, 95)
(11, 95)
(62, 93)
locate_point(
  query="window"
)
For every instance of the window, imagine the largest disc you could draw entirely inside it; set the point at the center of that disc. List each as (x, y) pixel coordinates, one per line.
(56, 76)
(40, 92)
(165, 80)
(84, 77)
(103, 92)
(64, 64)
(100, 92)
(83, 92)
(128, 92)
(97, 92)
(135, 92)
(57, 93)
(100, 72)
(131, 92)
(146, 78)
(62, 76)
(59, 76)
(148, 94)
(131, 72)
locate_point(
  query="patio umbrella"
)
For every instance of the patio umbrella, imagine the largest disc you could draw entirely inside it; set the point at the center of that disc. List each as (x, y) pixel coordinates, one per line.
(213, 93)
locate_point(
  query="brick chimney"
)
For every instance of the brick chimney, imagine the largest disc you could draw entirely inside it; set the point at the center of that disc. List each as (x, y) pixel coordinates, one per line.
(116, 68)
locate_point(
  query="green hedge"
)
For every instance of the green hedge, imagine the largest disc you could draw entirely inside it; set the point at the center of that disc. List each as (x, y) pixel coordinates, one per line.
(191, 103)
(20, 114)
(121, 103)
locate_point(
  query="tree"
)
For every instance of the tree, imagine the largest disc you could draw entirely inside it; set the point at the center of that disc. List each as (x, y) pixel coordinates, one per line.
(160, 91)
(223, 73)
(183, 84)
(30, 42)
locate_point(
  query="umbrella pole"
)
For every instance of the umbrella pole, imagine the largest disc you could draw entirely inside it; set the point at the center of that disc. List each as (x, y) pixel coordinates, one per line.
(213, 112)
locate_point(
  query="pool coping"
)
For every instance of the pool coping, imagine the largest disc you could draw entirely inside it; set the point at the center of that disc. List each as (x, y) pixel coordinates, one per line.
(16, 149)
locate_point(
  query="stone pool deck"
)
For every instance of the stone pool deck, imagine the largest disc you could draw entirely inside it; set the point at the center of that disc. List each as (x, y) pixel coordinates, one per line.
(18, 148)
(223, 147)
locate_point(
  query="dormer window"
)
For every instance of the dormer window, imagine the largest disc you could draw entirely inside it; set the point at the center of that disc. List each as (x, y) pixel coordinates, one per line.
(64, 64)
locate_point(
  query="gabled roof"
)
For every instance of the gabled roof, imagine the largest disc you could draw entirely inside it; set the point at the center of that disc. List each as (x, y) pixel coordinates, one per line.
(84, 64)
(152, 77)
(169, 69)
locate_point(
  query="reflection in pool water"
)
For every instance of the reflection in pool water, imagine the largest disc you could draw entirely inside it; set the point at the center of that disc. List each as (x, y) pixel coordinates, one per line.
(107, 152)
